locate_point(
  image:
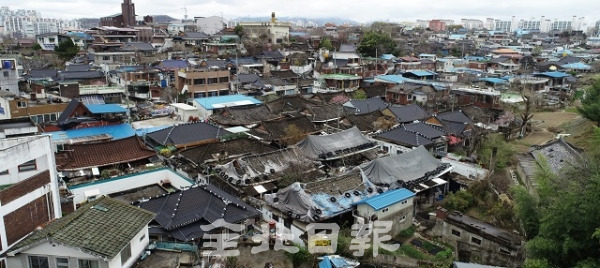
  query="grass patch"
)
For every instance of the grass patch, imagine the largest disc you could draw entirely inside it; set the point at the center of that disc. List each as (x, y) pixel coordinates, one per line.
(411, 252)
(571, 109)
(2, 187)
(408, 232)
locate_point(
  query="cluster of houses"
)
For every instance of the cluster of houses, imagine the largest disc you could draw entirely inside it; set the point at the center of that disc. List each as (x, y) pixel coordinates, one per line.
(110, 158)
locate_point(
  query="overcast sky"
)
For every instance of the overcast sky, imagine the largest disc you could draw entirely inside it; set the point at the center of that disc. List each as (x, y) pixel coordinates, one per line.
(358, 10)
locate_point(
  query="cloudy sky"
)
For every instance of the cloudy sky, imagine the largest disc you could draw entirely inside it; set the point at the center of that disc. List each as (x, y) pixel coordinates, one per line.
(358, 10)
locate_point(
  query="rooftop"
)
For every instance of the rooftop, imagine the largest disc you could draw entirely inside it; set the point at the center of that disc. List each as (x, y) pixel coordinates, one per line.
(388, 198)
(219, 102)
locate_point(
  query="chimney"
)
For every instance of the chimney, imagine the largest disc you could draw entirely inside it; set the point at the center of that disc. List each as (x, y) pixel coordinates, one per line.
(441, 213)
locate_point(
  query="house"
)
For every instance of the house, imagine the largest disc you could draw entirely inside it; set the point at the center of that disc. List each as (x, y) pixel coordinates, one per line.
(91, 159)
(285, 131)
(335, 146)
(9, 81)
(185, 135)
(503, 65)
(210, 105)
(476, 240)
(92, 134)
(557, 155)
(323, 114)
(102, 233)
(79, 115)
(224, 151)
(368, 122)
(482, 98)
(181, 214)
(330, 97)
(185, 112)
(340, 82)
(366, 106)
(199, 83)
(30, 196)
(408, 113)
(23, 126)
(420, 74)
(417, 170)
(457, 125)
(408, 63)
(243, 116)
(395, 206)
(410, 136)
(49, 41)
(289, 104)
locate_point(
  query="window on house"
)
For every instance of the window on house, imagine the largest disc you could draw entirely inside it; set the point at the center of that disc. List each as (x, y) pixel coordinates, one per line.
(6, 73)
(142, 237)
(5, 172)
(21, 104)
(105, 57)
(287, 223)
(62, 263)
(28, 166)
(475, 240)
(384, 210)
(505, 251)
(88, 264)
(275, 218)
(403, 219)
(38, 262)
(126, 253)
(456, 233)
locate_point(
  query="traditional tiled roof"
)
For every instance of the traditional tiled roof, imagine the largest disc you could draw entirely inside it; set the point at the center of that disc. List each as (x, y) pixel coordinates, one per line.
(375, 91)
(182, 213)
(367, 106)
(409, 113)
(426, 130)
(558, 155)
(80, 156)
(77, 68)
(187, 134)
(364, 122)
(402, 136)
(286, 104)
(243, 115)
(232, 148)
(101, 228)
(276, 129)
(331, 97)
(324, 113)
(287, 74)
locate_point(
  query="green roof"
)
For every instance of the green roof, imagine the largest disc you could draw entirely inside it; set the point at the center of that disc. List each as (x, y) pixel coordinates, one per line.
(101, 228)
(341, 77)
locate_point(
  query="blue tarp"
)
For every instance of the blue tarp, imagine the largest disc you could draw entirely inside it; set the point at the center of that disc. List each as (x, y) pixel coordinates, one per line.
(493, 80)
(325, 263)
(577, 66)
(553, 74)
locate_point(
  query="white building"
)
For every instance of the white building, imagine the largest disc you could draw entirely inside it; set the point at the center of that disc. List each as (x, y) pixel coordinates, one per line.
(28, 166)
(9, 78)
(472, 23)
(210, 25)
(104, 233)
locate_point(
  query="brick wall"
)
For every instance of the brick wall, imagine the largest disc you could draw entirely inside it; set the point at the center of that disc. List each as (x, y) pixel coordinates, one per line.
(20, 189)
(24, 220)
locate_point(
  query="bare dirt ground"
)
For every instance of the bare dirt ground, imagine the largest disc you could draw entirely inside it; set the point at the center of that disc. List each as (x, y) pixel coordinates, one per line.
(545, 125)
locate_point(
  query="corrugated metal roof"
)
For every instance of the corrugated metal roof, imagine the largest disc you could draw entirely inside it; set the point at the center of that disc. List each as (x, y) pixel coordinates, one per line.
(421, 72)
(493, 80)
(120, 131)
(211, 103)
(554, 74)
(105, 108)
(388, 198)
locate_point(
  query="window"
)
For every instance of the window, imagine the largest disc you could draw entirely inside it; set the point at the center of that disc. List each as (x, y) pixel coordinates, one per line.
(475, 240)
(456, 233)
(5, 172)
(38, 262)
(105, 57)
(403, 219)
(28, 166)
(275, 218)
(142, 237)
(384, 210)
(6, 73)
(21, 104)
(62, 263)
(88, 264)
(505, 251)
(126, 253)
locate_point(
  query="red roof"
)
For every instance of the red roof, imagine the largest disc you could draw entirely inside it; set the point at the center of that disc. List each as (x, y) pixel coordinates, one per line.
(81, 156)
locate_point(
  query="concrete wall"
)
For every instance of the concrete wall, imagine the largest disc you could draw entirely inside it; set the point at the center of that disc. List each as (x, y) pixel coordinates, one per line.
(400, 214)
(129, 182)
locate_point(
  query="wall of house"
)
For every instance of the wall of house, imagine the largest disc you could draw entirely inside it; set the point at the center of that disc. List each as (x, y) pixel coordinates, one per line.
(400, 214)
(129, 182)
(9, 76)
(391, 148)
(29, 203)
(487, 252)
(53, 251)
(36, 109)
(138, 244)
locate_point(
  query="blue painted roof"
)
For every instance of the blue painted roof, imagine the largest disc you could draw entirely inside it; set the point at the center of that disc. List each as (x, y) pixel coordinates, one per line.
(577, 66)
(392, 78)
(493, 80)
(554, 74)
(105, 108)
(144, 131)
(211, 103)
(117, 132)
(387, 56)
(421, 72)
(388, 198)
(325, 263)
